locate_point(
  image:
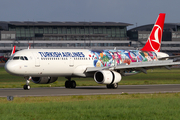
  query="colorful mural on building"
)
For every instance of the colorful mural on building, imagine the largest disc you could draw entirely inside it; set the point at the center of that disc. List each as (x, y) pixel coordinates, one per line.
(115, 57)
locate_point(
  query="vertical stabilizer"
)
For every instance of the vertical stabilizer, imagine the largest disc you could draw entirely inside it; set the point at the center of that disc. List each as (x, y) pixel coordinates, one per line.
(154, 41)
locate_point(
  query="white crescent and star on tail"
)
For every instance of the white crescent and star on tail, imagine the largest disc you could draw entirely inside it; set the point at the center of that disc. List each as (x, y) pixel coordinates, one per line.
(156, 36)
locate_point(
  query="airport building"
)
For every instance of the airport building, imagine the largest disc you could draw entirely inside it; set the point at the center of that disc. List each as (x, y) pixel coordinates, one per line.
(170, 39)
(89, 35)
(63, 30)
(171, 32)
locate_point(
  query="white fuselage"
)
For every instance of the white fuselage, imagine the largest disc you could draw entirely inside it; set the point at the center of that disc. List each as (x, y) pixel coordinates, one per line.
(70, 62)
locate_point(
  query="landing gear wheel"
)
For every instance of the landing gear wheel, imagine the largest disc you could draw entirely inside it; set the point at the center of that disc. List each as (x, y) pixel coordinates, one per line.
(73, 84)
(26, 87)
(67, 84)
(108, 86)
(113, 86)
(70, 84)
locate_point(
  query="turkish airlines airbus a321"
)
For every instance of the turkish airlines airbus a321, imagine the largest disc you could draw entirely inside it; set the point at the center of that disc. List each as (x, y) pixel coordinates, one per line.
(44, 66)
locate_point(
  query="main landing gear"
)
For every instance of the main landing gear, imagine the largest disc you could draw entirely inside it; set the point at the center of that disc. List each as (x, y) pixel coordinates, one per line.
(70, 83)
(27, 86)
(112, 86)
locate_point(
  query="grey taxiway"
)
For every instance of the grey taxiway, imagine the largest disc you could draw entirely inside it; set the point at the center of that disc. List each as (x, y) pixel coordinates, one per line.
(89, 90)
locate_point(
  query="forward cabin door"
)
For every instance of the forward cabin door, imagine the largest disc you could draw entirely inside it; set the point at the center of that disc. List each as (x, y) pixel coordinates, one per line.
(37, 59)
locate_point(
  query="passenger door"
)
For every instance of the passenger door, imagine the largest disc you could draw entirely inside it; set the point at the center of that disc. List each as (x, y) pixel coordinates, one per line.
(37, 59)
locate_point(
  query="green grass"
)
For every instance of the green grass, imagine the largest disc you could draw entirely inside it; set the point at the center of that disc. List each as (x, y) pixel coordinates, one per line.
(156, 76)
(104, 107)
(97, 107)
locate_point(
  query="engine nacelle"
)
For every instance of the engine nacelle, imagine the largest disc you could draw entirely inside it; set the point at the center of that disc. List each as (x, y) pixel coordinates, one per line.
(44, 80)
(107, 77)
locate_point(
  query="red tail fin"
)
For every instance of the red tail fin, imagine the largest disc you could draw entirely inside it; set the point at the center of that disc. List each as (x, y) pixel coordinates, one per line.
(13, 50)
(154, 41)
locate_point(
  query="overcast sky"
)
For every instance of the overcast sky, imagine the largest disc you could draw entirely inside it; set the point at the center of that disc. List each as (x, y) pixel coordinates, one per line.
(141, 12)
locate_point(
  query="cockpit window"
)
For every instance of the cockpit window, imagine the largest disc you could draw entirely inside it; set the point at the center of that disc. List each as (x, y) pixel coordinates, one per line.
(16, 58)
(25, 58)
(19, 58)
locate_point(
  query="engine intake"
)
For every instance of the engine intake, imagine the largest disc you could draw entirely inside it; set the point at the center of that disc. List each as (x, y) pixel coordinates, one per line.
(107, 77)
(44, 80)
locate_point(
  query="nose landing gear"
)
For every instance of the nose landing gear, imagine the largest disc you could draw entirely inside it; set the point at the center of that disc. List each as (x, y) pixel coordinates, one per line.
(27, 86)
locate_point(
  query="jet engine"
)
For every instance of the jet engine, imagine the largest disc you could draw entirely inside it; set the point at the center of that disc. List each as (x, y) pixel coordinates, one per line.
(107, 77)
(44, 80)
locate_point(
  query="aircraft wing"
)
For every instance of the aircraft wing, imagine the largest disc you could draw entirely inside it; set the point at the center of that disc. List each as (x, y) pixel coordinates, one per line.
(137, 66)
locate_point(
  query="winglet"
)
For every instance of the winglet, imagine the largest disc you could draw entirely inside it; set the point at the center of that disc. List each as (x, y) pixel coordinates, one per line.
(154, 41)
(13, 50)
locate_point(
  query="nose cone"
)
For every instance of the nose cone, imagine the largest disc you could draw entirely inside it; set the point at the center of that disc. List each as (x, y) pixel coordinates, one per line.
(9, 67)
